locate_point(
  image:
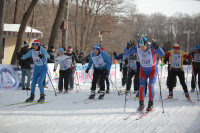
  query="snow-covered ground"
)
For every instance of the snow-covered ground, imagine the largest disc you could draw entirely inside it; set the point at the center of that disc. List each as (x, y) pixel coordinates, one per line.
(62, 115)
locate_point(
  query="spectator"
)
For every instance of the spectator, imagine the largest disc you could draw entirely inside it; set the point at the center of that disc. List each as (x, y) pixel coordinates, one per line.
(52, 54)
(25, 66)
(82, 58)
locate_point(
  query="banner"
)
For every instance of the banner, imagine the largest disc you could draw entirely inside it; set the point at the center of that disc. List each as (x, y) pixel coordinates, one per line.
(10, 76)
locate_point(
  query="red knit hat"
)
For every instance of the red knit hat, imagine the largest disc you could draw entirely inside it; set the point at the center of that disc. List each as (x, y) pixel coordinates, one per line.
(36, 43)
(176, 46)
(102, 48)
(69, 49)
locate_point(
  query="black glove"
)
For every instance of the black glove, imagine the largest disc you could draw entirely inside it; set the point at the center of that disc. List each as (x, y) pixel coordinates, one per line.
(155, 45)
(41, 56)
(115, 54)
(87, 70)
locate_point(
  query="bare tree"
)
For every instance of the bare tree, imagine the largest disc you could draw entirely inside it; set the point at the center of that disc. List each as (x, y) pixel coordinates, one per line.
(22, 29)
(57, 22)
(15, 12)
(2, 11)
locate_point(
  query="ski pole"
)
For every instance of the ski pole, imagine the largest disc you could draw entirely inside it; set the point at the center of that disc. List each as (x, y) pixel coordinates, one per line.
(160, 92)
(114, 86)
(195, 82)
(49, 76)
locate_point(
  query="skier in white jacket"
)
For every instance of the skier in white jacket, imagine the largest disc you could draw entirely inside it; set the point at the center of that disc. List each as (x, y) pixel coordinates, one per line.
(65, 63)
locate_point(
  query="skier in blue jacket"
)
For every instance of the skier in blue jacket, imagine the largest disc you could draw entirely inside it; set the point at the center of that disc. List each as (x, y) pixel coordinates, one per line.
(39, 55)
(148, 69)
(102, 64)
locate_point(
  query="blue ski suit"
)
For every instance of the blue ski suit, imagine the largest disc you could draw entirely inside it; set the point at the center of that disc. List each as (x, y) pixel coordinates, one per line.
(148, 68)
(39, 68)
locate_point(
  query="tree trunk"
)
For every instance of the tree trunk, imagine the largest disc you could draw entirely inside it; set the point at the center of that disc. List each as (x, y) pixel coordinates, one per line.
(15, 13)
(65, 30)
(22, 29)
(76, 26)
(2, 11)
(56, 24)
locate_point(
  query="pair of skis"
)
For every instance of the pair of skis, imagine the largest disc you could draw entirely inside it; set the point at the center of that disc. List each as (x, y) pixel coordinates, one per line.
(25, 104)
(86, 101)
(140, 113)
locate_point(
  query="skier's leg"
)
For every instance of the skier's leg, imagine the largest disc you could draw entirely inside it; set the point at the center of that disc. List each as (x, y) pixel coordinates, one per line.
(29, 78)
(66, 80)
(194, 74)
(23, 79)
(41, 79)
(36, 74)
(171, 80)
(129, 80)
(143, 80)
(182, 81)
(60, 83)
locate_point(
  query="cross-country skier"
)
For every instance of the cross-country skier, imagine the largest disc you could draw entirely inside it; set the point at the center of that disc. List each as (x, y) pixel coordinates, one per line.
(102, 65)
(148, 69)
(132, 70)
(196, 67)
(107, 76)
(39, 55)
(65, 63)
(125, 59)
(176, 57)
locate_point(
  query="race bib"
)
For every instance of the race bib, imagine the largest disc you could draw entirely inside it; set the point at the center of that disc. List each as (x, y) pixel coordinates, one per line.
(176, 60)
(145, 58)
(98, 61)
(64, 64)
(133, 65)
(197, 57)
(37, 61)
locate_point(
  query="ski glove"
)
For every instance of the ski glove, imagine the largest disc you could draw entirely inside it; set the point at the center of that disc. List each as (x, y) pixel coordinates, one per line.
(87, 70)
(41, 56)
(155, 45)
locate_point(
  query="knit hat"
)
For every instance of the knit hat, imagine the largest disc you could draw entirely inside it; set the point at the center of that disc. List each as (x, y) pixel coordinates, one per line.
(69, 49)
(102, 49)
(36, 43)
(52, 47)
(197, 47)
(45, 46)
(26, 44)
(176, 46)
(96, 46)
(61, 50)
(142, 41)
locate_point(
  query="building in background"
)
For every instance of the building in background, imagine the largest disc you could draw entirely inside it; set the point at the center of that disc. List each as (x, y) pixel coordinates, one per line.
(10, 38)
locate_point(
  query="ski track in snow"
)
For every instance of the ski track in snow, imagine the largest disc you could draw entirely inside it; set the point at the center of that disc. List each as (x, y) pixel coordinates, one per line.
(101, 116)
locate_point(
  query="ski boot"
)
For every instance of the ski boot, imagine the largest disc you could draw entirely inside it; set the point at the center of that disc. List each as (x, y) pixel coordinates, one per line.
(92, 95)
(192, 90)
(141, 106)
(65, 91)
(42, 98)
(170, 96)
(28, 89)
(150, 106)
(137, 95)
(101, 96)
(187, 95)
(134, 92)
(31, 98)
(107, 91)
(127, 91)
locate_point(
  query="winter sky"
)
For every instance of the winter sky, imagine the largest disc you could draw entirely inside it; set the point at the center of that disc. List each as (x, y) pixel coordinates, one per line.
(167, 7)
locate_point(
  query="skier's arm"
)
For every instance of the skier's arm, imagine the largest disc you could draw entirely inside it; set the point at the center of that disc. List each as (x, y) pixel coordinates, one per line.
(160, 51)
(44, 52)
(167, 55)
(186, 56)
(120, 56)
(56, 63)
(133, 50)
(27, 55)
(109, 62)
(90, 62)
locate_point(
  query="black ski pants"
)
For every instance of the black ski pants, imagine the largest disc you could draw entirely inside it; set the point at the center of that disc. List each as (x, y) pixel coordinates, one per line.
(195, 79)
(172, 77)
(168, 82)
(64, 74)
(99, 74)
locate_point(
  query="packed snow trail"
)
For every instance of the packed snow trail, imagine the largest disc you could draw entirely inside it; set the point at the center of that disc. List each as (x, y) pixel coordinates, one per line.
(101, 116)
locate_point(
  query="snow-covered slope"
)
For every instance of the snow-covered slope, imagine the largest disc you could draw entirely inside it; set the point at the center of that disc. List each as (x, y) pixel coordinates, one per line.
(62, 115)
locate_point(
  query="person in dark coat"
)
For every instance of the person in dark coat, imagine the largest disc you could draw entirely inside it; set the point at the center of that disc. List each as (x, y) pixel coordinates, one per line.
(52, 54)
(25, 67)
